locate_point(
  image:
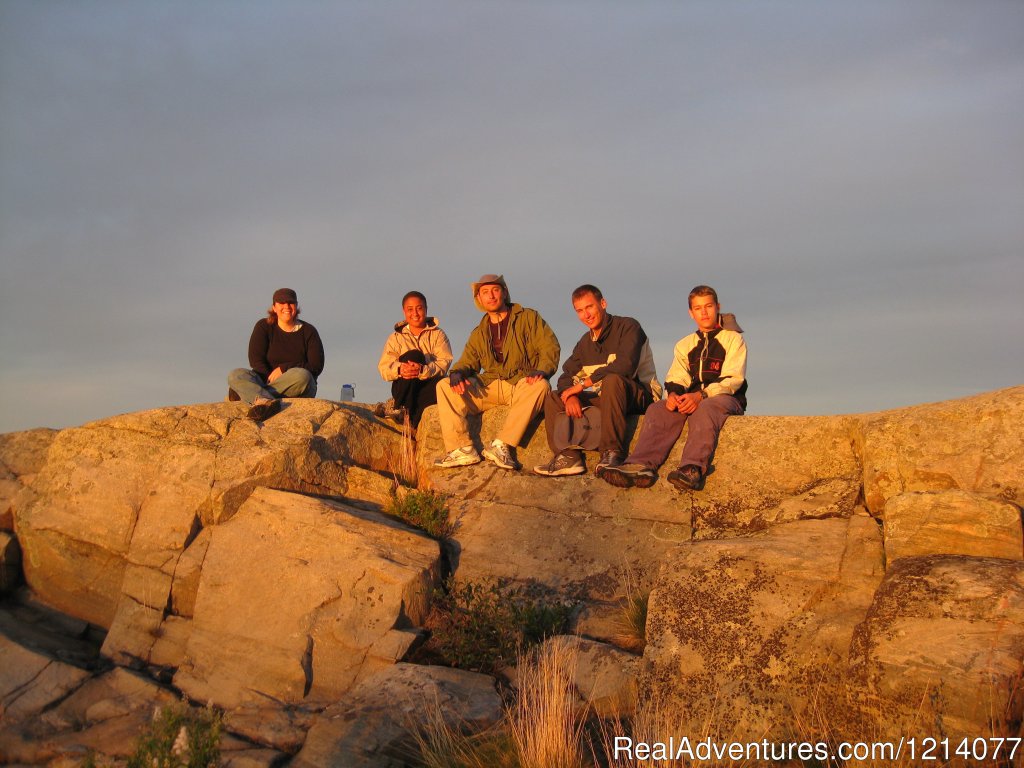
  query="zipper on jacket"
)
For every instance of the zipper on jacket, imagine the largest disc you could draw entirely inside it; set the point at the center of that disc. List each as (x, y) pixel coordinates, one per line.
(703, 358)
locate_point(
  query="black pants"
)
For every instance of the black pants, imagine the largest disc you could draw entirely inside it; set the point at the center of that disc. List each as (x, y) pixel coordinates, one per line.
(415, 395)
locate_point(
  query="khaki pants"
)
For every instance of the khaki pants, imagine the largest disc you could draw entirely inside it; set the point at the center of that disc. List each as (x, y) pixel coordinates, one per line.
(524, 400)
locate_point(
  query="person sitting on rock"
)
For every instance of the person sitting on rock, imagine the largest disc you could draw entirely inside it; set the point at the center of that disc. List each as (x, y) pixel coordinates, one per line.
(285, 358)
(507, 361)
(706, 384)
(415, 358)
(611, 368)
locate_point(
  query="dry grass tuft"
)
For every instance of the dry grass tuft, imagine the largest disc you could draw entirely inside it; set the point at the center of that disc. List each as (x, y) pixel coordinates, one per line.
(545, 728)
(401, 458)
(540, 729)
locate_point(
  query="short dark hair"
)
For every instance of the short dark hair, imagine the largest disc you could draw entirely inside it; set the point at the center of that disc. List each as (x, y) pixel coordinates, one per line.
(414, 295)
(702, 290)
(586, 288)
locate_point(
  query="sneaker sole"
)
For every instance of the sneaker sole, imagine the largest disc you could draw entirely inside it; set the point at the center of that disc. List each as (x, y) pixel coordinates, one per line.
(644, 481)
(566, 472)
(613, 476)
(493, 458)
(454, 464)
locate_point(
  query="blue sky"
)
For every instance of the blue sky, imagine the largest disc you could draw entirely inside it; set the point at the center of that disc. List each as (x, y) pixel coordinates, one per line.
(850, 177)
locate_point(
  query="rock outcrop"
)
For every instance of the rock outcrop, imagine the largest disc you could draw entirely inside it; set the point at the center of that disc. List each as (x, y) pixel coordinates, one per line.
(834, 571)
(746, 633)
(128, 495)
(942, 644)
(22, 455)
(373, 725)
(970, 444)
(300, 599)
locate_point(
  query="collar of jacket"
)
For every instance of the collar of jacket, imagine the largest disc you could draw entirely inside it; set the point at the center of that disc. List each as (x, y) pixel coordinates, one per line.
(400, 326)
(513, 311)
(608, 323)
(708, 334)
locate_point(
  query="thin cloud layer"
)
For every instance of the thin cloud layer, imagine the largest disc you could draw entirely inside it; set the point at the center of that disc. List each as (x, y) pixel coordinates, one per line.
(850, 178)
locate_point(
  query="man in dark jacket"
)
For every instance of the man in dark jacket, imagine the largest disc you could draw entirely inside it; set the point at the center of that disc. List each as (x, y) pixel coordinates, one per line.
(612, 369)
(707, 383)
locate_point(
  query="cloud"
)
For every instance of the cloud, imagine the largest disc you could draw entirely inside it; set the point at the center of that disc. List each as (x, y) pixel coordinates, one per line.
(849, 178)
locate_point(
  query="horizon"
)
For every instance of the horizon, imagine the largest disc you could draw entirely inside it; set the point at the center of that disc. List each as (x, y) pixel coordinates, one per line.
(850, 179)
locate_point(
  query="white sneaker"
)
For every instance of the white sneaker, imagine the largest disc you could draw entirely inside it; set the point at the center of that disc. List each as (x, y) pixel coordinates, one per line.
(460, 457)
(501, 454)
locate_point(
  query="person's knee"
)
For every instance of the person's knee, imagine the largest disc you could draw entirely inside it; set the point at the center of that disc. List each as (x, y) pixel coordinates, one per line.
(303, 383)
(552, 400)
(612, 384)
(656, 410)
(237, 375)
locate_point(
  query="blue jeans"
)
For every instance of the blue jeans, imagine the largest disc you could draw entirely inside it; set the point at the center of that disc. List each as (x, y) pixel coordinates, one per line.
(295, 382)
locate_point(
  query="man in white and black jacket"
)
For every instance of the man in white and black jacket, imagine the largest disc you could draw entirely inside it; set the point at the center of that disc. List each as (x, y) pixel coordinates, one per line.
(707, 383)
(612, 369)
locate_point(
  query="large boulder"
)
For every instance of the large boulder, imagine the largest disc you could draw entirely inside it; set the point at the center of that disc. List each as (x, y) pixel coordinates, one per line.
(118, 501)
(301, 598)
(746, 634)
(603, 676)
(767, 471)
(951, 523)
(374, 724)
(941, 649)
(30, 681)
(22, 455)
(970, 444)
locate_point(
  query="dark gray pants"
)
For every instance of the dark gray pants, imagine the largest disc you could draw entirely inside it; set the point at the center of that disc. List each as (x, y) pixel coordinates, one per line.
(618, 398)
(662, 427)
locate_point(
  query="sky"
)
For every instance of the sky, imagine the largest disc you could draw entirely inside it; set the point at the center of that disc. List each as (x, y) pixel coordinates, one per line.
(848, 176)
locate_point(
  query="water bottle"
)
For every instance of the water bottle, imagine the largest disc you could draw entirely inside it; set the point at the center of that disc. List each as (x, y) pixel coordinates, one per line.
(348, 393)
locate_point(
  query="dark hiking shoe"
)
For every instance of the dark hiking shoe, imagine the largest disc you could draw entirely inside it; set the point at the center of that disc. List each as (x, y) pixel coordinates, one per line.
(688, 478)
(610, 458)
(262, 408)
(628, 476)
(567, 462)
(232, 396)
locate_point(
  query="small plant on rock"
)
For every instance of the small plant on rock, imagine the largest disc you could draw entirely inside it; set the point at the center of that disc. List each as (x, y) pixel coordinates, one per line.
(426, 510)
(179, 736)
(479, 626)
(632, 634)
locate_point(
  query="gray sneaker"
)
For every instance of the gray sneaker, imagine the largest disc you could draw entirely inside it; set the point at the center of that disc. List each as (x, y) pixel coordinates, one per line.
(610, 458)
(501, 455)
(568, 462)
(460, 457)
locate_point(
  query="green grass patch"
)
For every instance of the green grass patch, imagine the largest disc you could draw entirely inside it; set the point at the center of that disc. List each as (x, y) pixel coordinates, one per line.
(479, 626)
(179, 736)
(426, 510)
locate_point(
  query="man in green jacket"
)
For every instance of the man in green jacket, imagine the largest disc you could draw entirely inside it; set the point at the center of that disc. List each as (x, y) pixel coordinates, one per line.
(507, 361)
